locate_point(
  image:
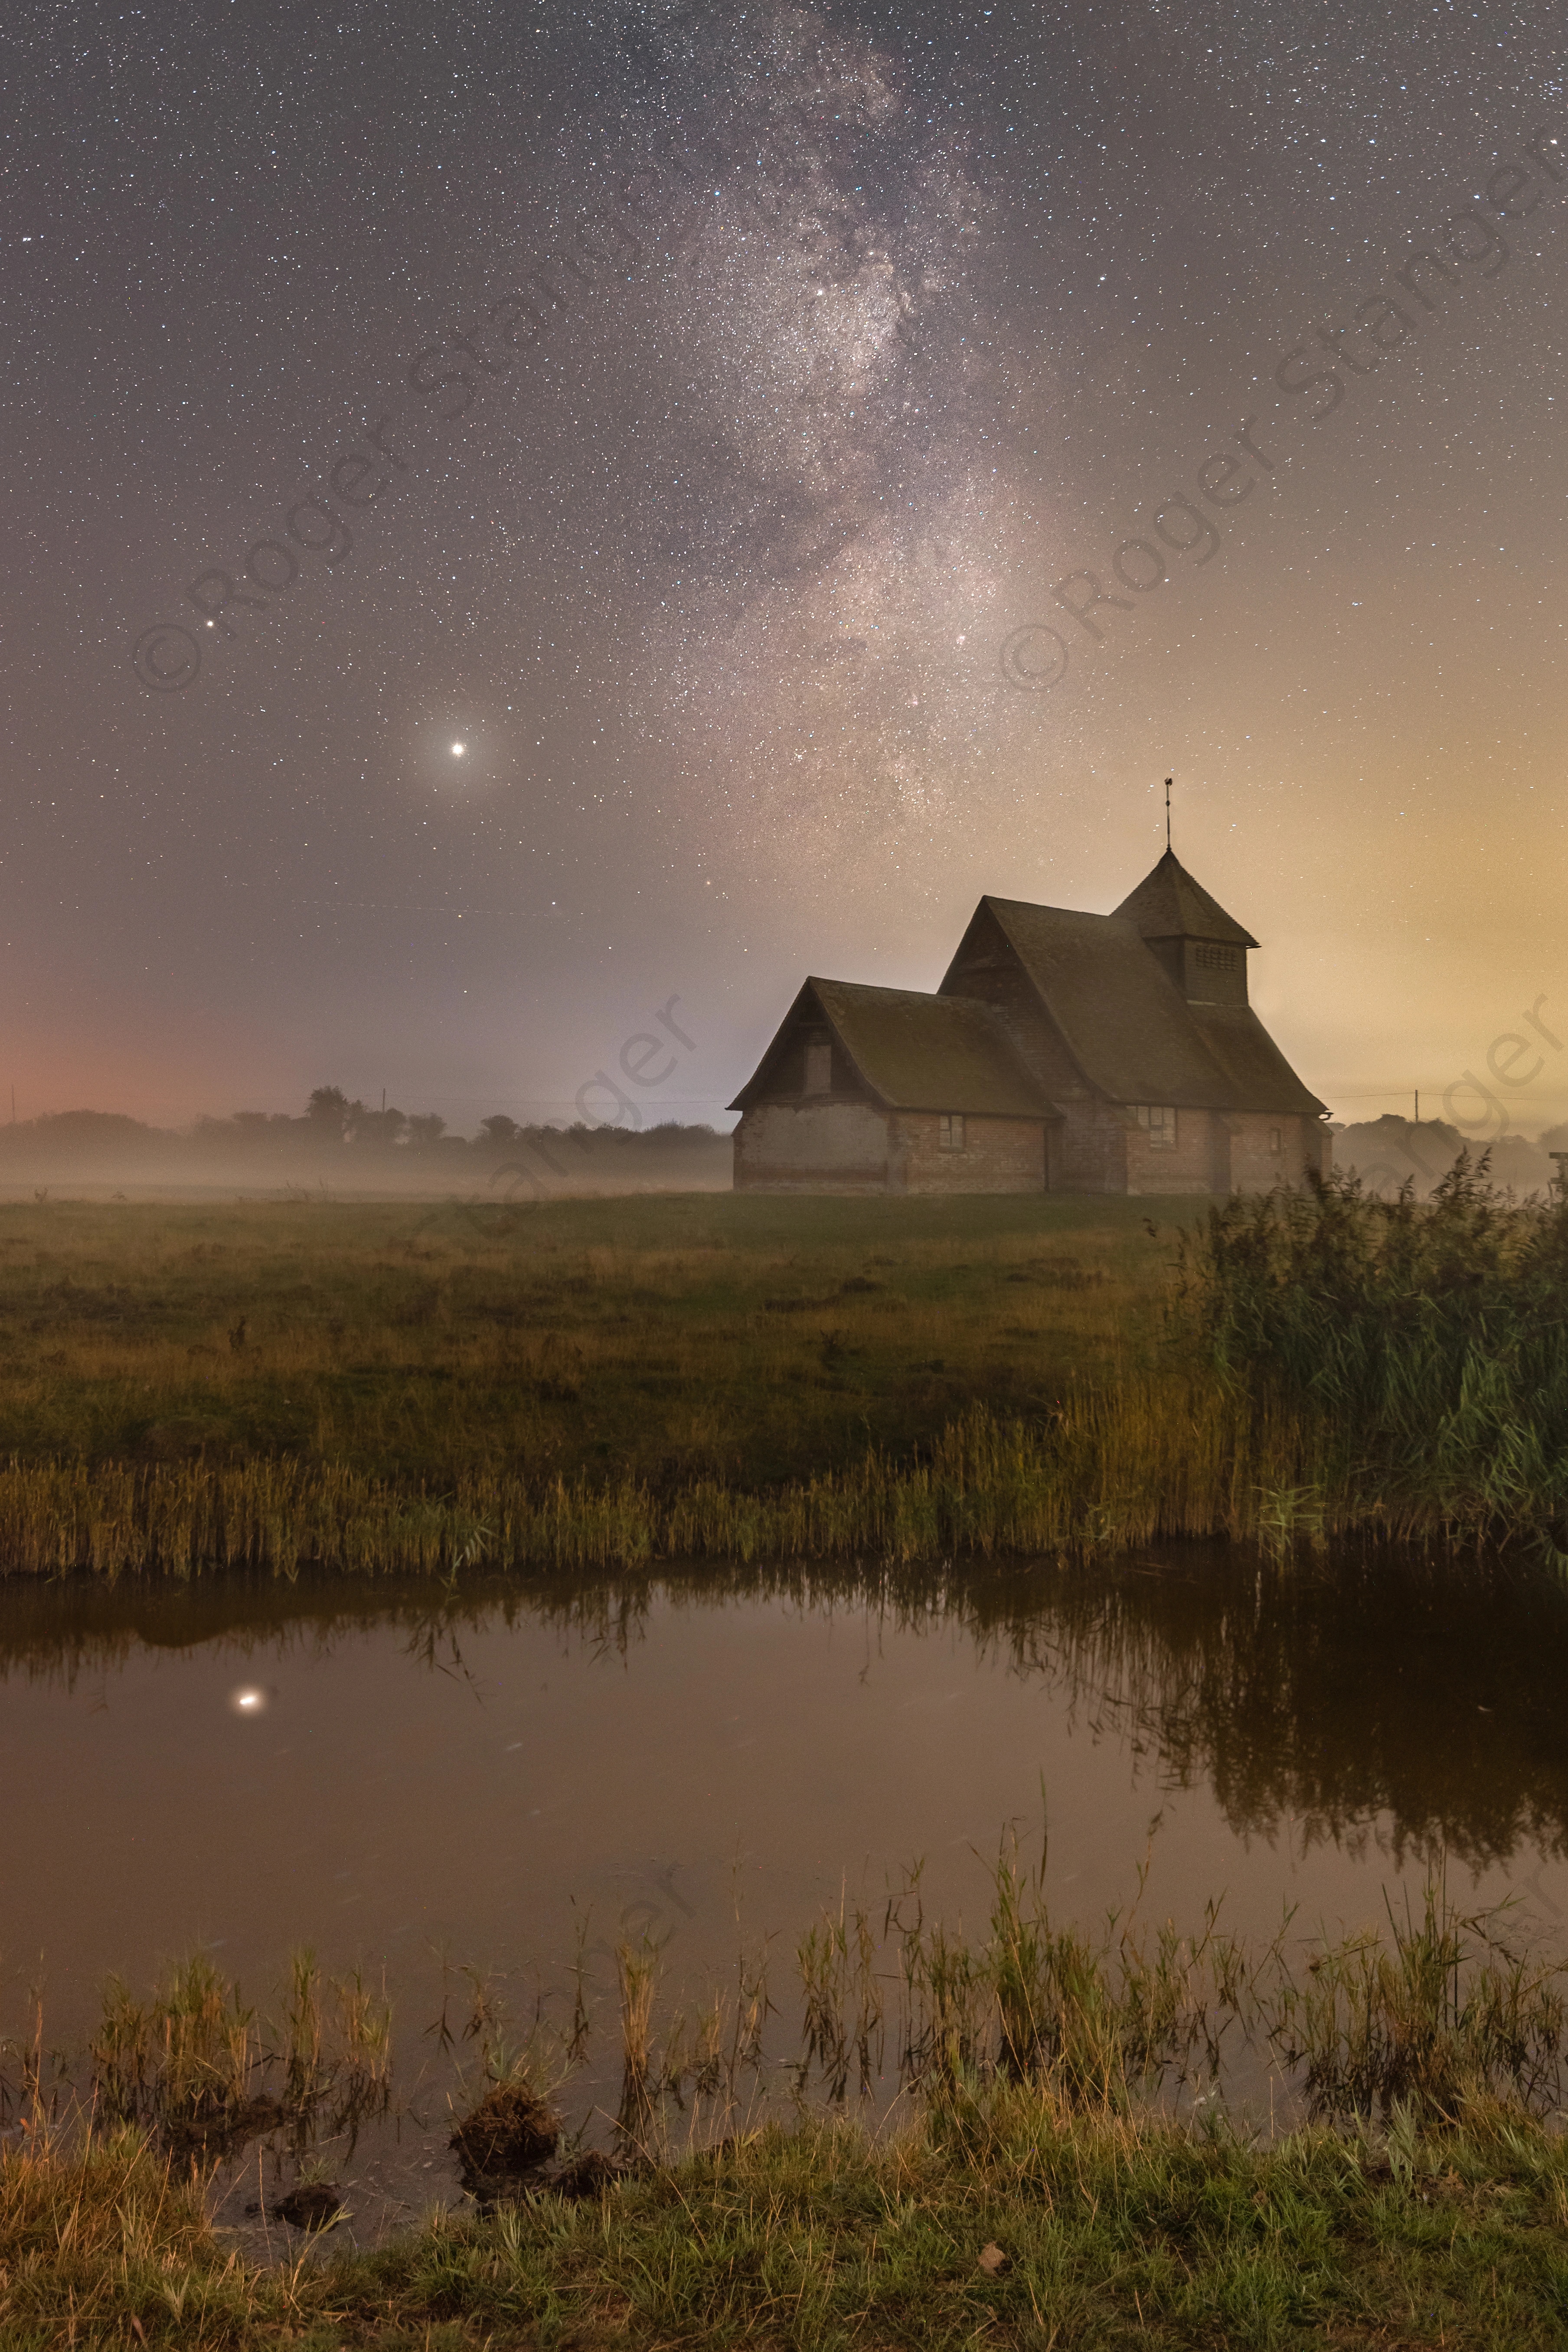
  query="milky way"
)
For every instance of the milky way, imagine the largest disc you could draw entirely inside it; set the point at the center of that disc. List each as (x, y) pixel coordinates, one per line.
(927, 310)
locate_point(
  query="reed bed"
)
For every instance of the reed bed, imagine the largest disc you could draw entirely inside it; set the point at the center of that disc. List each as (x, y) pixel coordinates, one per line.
(1161, 1455)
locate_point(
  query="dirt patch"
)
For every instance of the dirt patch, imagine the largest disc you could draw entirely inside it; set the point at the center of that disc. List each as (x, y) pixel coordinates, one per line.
(510, 2131)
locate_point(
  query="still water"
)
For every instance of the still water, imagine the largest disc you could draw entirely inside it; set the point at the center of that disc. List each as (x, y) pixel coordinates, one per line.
(416, 1778)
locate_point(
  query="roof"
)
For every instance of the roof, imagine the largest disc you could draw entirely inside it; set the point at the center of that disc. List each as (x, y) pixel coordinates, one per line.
(1169, 905)
(920, 1053)
(1128, 1026)
(1261, 1077)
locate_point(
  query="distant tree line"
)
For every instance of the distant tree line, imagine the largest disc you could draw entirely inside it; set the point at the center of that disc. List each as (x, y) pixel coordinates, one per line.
(335, 1121)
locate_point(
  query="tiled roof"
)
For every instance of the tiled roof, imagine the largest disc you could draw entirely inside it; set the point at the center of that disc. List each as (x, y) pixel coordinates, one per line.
(1128, 1027)
(922, 1053)
(1169, 905)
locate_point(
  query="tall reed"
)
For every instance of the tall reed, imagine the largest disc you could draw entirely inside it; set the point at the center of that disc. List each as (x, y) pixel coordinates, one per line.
(1421, 1348)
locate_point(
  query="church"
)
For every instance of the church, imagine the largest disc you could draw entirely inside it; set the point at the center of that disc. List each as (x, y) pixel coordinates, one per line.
(1062, 1053)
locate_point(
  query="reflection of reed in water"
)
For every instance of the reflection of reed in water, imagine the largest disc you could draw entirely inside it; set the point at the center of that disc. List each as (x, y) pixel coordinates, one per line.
(1328, 1696)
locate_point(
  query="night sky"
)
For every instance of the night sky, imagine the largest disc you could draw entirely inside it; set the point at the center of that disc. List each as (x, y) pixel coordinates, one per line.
(814, 364)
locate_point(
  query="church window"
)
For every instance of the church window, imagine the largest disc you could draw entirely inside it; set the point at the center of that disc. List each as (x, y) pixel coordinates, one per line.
(1215, 959)
(1276, 1139)
(950, 1130)
(1159, 1121)
(819, 1066)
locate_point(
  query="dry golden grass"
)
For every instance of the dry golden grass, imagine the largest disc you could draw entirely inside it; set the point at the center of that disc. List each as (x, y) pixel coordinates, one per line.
(592, 1383)
(749, 1340)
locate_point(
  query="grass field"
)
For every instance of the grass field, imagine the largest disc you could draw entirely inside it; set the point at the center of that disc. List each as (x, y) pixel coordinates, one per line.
(587, 1383)
(662, 1338)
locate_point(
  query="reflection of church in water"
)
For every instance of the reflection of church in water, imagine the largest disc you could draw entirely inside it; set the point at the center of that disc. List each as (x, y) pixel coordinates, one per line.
(1061, 1053)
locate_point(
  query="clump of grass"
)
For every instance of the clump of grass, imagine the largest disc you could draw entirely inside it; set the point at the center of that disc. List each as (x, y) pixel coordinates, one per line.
(636, 1968)
(844, 2025)
(184, 2060)
(192, 2065)
(1105, 2020)
(511, 2130)
(1441, 2010)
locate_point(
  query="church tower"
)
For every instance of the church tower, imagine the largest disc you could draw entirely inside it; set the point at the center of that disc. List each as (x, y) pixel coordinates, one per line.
(1201, 947)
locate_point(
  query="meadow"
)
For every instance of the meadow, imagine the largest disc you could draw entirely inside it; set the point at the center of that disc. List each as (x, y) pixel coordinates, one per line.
(592, 1383)
(387, 1385)
(656, 1337)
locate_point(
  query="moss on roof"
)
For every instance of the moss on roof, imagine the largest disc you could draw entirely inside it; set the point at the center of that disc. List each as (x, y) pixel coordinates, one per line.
(918, 1053)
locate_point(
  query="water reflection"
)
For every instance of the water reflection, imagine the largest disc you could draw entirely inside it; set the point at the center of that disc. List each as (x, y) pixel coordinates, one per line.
(1423, 1698)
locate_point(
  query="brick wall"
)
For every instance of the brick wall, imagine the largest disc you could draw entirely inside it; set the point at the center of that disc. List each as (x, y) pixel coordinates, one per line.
(1256, 1166)
(999, 1155)
(820, 1148)
(1088, 1148)
(1199, 1163)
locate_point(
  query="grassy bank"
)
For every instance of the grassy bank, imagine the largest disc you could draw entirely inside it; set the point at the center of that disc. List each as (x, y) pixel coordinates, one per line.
(1026, 2192)
(1005, 2219)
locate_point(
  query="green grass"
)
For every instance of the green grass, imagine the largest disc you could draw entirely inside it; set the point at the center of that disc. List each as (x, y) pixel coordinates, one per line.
(1111, 2233)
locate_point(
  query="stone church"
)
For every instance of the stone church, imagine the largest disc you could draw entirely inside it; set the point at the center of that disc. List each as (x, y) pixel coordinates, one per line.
(1061, 1053)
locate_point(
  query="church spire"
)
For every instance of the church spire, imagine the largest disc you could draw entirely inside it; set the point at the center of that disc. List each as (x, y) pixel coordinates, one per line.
(1201, 947)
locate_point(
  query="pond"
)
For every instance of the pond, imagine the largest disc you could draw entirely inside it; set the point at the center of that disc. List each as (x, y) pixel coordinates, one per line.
(491, 1786)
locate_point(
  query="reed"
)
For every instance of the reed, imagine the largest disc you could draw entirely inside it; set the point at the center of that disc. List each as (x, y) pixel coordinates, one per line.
(1423, 1347)
(192, 2065)
(1439, 2009)
(1443, 2008)
(637, 1967)
(1159, 1454)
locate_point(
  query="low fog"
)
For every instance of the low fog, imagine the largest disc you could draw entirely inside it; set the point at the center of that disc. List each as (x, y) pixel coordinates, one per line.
(347, 1151)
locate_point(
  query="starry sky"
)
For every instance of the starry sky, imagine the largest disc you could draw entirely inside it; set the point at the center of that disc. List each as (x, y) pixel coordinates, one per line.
(803, 456)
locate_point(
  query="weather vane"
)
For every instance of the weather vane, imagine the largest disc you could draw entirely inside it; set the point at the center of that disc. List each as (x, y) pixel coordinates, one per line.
(1169, 780)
